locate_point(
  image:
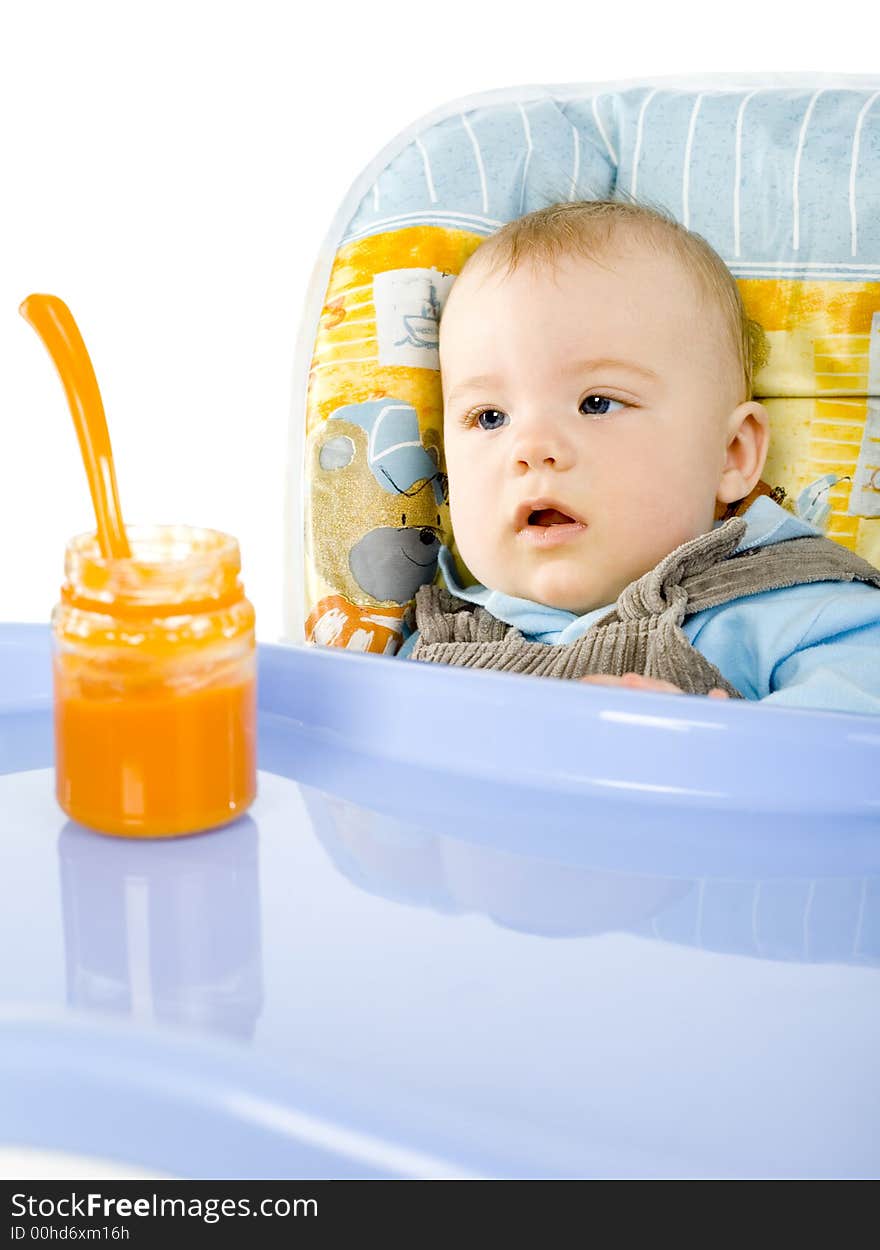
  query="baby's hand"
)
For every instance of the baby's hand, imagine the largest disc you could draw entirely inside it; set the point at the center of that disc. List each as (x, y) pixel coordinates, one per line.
(635, 681)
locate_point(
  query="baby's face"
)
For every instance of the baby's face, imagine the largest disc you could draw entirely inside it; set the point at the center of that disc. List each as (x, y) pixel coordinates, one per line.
(600, 390)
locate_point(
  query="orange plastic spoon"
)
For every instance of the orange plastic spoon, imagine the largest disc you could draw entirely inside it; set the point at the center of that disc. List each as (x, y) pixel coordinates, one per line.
(53, 321)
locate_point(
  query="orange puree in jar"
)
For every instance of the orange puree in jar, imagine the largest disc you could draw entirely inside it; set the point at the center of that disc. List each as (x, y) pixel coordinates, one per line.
(155, 684)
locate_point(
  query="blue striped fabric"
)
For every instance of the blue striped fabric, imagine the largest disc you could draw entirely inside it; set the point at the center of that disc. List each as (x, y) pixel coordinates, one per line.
(781, 180)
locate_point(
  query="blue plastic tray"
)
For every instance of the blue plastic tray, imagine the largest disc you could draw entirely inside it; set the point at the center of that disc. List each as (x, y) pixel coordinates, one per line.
(649, 751)
(419, 955)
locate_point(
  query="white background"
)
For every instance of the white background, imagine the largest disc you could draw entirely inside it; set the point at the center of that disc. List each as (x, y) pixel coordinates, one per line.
(171, 169)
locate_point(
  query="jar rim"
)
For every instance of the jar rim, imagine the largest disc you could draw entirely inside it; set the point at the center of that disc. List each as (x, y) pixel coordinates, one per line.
(202, 542)
(169, 564)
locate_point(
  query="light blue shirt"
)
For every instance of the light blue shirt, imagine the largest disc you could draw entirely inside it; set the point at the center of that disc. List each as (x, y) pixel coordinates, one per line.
(814, 645)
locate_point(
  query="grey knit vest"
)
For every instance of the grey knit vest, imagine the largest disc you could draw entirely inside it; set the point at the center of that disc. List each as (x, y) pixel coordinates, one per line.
(642, 633)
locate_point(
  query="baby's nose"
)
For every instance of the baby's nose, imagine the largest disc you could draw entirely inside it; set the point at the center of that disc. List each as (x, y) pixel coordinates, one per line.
(542, 446)
(534, 459)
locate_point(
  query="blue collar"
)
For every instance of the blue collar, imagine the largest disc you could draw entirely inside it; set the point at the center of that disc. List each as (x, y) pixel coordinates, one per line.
(766, 523)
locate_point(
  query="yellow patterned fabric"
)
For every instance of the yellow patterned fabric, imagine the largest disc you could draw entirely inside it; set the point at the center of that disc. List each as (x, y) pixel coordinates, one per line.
(347, 502)
(824, 339)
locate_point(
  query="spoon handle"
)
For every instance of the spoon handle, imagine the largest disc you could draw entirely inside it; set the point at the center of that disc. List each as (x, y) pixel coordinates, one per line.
(54, 323)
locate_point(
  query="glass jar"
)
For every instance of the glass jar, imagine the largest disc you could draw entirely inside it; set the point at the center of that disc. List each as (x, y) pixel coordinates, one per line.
(154, 663)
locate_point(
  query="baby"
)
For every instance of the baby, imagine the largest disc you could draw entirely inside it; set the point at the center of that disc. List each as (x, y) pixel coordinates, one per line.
(600, 438)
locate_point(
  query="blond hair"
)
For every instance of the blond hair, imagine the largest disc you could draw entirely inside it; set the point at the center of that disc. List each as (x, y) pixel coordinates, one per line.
(587, 228)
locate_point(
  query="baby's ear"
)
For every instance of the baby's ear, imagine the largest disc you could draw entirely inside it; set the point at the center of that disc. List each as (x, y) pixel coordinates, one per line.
(748, 441)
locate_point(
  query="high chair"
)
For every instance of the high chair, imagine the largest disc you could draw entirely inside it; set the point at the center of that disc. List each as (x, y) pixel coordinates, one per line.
(781, 174)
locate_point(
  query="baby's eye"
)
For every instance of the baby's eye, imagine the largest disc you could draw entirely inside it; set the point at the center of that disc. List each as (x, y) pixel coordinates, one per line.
(490, 418)
(599, 405)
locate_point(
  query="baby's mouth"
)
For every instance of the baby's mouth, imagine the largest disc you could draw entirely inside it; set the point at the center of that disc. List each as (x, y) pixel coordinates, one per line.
(550, 516)
(543, 513)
